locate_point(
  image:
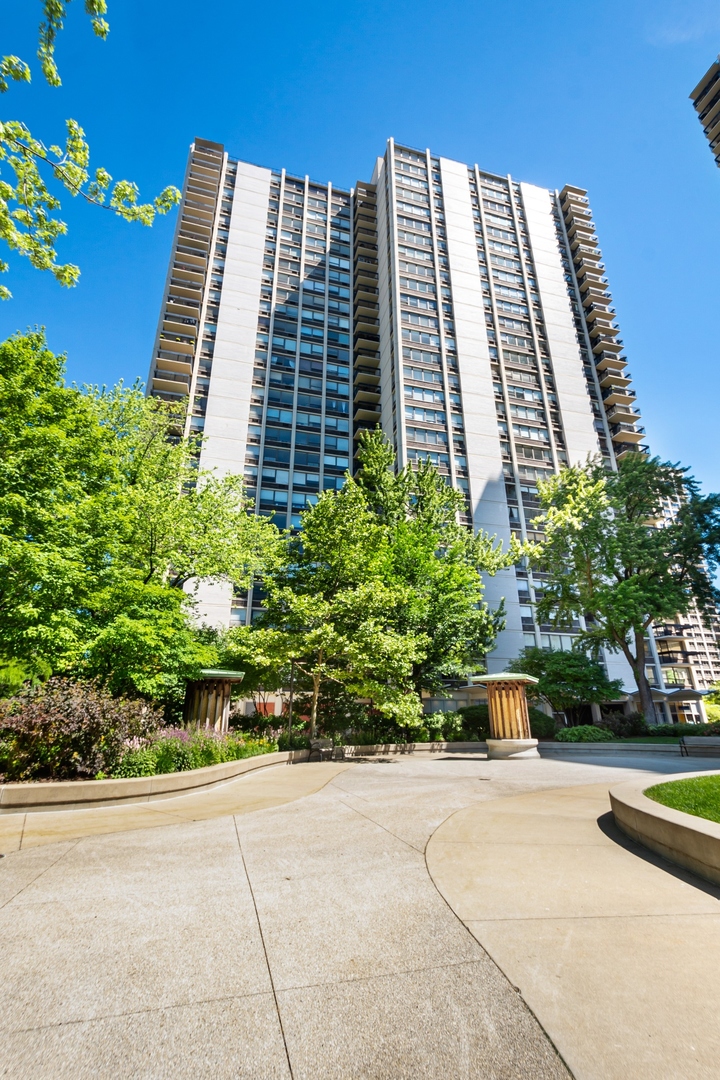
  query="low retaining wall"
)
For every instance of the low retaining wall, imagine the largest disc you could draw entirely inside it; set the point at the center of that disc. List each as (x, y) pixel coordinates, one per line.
(568, 749)
(77, 794)
(689, 841)
(416, 748)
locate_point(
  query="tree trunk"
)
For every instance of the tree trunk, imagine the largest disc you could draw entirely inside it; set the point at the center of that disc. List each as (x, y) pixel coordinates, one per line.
(315, 696)
(647, 705)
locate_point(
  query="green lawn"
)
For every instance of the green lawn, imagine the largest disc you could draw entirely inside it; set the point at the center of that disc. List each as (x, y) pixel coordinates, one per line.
(699, 796)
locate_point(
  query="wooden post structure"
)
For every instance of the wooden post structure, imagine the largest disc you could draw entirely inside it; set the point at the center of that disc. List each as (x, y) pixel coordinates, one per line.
(207, 700)
(510, 735)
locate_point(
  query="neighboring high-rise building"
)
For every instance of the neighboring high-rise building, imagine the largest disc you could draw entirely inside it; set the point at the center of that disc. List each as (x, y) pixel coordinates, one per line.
(465, 312)
(706, 99)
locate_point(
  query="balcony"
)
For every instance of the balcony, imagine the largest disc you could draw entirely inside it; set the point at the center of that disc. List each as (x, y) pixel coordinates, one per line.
(610, 364)
(170, 386)
(599, 310)
(367, 396)
(627, 433)
(590, 278)
(622, 449)
(186, 331)
(177, 367)
(670, 631)
(618, 395)
(623, 414)
(681, 656)
(176, 346)
(365, 325)
(367, 379)
(613, 377)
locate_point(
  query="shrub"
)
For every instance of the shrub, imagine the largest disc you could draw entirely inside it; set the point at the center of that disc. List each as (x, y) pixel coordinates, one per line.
(584, 733)
(296, 741)
(679, 730)
(136, 763)
(476, 721)
(626, 726)
(453, 728)
(65, 730)
(542, 726)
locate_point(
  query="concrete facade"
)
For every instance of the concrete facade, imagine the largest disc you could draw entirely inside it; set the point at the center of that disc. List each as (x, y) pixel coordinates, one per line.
(464, 312)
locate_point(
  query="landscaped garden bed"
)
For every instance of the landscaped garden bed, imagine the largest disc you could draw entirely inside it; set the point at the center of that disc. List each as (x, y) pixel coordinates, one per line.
(67, 730)
(699, 795)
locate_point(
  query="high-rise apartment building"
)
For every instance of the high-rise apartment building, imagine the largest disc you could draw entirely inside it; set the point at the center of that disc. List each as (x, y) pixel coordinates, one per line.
(706, 99)
(467, 313)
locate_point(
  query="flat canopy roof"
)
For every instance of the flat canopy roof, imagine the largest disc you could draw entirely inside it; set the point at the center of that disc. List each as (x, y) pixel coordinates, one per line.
(504, 676)
(686, 693)
(216, 673)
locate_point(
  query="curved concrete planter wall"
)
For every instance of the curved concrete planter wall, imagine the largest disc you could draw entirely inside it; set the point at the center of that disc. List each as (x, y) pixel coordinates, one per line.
(691, 842)
(82, 794)
(79, 794)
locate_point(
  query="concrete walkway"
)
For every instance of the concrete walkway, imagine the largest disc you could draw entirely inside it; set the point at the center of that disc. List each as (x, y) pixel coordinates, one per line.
(615, 952)
(306, 940)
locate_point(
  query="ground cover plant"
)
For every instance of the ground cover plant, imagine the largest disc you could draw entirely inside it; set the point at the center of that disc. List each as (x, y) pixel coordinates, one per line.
(178, 750)
(699, 796)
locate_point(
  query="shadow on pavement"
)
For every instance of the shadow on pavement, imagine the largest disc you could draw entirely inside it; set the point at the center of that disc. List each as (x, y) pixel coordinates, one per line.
(606, 824)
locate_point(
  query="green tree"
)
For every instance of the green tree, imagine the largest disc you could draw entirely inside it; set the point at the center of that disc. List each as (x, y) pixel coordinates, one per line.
(566, 679)
(338, 615)
(105, 527)
(263, 655)
(381, 592)
(436, 560)
(625, 549)
(28, 221)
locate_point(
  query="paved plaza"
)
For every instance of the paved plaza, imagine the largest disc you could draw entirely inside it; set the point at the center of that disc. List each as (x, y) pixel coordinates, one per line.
(412, 917)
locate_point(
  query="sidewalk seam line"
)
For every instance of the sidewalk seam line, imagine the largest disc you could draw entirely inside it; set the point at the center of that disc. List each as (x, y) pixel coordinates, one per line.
(418, 851)
(134, 1012)
(40, 874)
(386, 974)
(489, 955)
(262, 939)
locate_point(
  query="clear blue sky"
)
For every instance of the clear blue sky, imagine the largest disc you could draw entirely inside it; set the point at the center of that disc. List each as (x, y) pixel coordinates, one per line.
(553, 92)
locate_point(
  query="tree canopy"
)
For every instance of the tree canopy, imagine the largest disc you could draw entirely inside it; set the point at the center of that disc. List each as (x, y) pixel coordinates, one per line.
(566, 679)
(106, 526)
(381, 591)
(28, 222)
(439, 561)
(625, 549)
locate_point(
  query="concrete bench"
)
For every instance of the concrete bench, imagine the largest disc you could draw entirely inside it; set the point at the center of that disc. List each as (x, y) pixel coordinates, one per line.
(700, 746)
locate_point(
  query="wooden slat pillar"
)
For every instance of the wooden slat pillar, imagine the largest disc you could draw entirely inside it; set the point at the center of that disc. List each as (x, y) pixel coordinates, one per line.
(208, 700)
(212, 705)
(507, 705)
(225, 714)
